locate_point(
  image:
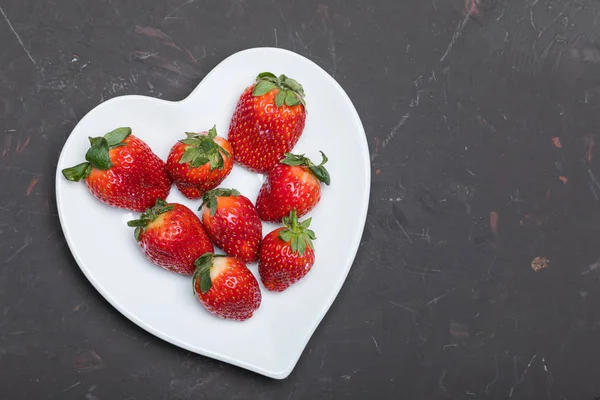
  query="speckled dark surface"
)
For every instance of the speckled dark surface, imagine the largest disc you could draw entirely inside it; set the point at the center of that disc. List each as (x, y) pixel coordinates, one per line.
(482, 119)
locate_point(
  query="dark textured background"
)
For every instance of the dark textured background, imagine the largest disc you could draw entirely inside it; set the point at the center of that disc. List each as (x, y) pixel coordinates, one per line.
(460, 102)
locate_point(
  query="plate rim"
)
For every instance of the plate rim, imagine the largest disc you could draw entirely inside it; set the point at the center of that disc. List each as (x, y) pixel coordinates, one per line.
(275, 374)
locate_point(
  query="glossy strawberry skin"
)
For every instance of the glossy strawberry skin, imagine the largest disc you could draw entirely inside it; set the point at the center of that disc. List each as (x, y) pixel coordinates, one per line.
(136, 179)
(278, 266)
(260, 132)
(235, 228)
(235, 293)
(287, 188)
(194, 182)
(175, 240)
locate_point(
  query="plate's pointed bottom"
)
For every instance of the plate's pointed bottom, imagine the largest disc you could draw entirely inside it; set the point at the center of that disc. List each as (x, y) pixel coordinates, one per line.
(271, 342)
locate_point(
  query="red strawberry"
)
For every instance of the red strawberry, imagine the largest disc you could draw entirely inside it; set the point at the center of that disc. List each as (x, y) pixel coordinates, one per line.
(232, 223)
(286, 254)
(122, 171)
(226, 287)
(267, 122)
(171, 236)
(200, 162)
(293, 184)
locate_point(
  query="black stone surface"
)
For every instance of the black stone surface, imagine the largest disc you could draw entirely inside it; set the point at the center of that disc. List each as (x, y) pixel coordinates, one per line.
(461, 102)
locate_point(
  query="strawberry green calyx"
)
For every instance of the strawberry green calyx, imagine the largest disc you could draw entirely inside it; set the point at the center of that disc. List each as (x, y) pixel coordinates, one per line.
(148, 216)
(202, 149)
(78, 172)
(319, 171)
(203, 265)
(297, 233)
(97, 156)
(210, 198)
(290, 91)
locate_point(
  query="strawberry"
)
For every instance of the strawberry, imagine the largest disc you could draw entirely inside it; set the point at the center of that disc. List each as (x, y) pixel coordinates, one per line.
(267, 122)
(293, 184)
(232, 223)
(286, 254)
(200, 162)
(226, 287)
(122, 171)
(171, 236)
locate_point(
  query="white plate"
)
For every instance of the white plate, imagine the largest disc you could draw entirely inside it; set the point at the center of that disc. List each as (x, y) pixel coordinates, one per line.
(161, 302)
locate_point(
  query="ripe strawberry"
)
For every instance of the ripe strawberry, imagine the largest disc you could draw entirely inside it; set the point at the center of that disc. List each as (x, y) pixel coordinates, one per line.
(267, 122)
(232, 223)
(122, 171)
(286, 254)
(200, 162)
(226, 287)
(171, 236)
(293, 184)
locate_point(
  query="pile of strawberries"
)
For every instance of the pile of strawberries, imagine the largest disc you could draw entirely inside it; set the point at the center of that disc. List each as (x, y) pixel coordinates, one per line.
(122, 171)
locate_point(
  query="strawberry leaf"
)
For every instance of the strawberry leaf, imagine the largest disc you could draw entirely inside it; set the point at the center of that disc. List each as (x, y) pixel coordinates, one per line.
(216, 160)
(78, 172)
(291, 93)
(205, 282)
(202, 149)
(221, 164)
(137, 233)
(291, 99)
(198, 162)
(321, 174)
(306, 223)
(212, 132)
(263, 87)
(294, 160)
(117, 136)
(97, 155)
(293, 85)
(301, 246)
(295, 244)
(319, 171)
(221, 192)
(280, 98)
(325, 159)
(212, 206)
(297, 233)
(203, 265)
(140, 224)
(285, 235)
(210, 198)
(137, 222)
(189, 155)
(263, 75)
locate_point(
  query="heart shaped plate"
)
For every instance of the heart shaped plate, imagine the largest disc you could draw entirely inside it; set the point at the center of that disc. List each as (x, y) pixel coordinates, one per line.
(162, 303)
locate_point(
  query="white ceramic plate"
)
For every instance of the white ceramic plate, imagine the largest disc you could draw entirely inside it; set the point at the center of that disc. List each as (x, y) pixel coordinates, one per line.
(161, 302)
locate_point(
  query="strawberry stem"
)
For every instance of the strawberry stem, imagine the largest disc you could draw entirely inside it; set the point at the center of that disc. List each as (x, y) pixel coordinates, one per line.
(291, 93)
(319, 171)
(203, 265)
(294, 220)
(148, 216)
(210, 198)
(297, 233)
(97, 155)
(202, 149)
